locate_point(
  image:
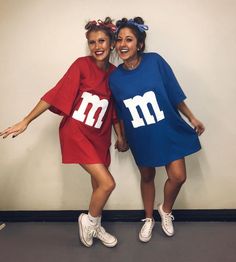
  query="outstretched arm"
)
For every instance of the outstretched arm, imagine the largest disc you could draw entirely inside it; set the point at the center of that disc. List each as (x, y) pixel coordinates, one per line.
(20, 127)
(199, 127)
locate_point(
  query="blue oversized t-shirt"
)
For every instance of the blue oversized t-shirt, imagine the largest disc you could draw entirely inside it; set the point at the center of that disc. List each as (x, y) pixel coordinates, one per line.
(146, 100)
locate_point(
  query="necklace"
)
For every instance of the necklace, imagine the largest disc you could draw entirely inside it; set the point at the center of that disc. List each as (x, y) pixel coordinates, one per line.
(133, 66)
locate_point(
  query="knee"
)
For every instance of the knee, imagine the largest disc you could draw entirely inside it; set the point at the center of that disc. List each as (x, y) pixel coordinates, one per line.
(147, 174)
(147, 178)
(109, 186)
(179, 179)
(112, 186)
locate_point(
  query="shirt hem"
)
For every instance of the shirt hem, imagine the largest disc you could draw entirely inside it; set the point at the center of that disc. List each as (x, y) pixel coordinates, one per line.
(170, 160)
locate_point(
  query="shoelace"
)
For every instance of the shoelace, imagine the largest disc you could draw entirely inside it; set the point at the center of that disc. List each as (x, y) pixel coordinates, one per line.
(91, 231)
(102, 232)
(147, 225)
(168, 218)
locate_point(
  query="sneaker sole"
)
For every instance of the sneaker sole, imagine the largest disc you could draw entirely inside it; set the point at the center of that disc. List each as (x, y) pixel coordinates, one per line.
(113, 244)
(80, 232)
(145, 240)
(166, 232)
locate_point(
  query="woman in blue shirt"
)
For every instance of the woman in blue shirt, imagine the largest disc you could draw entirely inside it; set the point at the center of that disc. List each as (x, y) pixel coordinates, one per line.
(148, 100)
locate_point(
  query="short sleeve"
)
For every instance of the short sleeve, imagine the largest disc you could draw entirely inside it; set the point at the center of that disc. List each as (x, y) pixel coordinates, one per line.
(62, 97)
(173, 89)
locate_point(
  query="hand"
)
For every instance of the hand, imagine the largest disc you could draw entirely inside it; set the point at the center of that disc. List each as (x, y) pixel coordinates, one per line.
(121, 145)
(14, 130)
(198, 126)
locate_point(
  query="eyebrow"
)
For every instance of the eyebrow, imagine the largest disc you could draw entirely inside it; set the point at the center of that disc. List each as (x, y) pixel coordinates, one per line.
(126, 36)
(101, 38)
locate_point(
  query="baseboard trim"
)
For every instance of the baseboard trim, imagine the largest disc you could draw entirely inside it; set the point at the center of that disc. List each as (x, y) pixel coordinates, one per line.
(118, 215)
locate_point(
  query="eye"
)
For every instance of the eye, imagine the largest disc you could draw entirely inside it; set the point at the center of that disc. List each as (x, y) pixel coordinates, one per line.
(129, 39)
(91, 42)
(118, 40)
(101, 41)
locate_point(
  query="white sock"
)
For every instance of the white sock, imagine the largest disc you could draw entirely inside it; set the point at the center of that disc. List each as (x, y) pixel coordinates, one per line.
(93, 220)
(99, 220)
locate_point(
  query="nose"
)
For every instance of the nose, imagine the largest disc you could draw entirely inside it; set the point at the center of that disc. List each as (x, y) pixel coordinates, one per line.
(96, 45)
(121, 43)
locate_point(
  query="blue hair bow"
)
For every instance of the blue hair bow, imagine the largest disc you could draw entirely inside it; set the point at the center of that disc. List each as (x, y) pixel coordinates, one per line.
(141, 27)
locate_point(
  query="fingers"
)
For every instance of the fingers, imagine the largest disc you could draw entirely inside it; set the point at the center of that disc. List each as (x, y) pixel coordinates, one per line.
(14, 130)
(6, 134)
(15, 134)
(5, 131)
(124, 149)
(121, 146)
(198, 126)
(10, 131)
(200, 129)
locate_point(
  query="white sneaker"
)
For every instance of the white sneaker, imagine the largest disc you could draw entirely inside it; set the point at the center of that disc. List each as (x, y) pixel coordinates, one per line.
(107, 239)
(2, 225)
(166, 221)
(145, 233)
(86, 230)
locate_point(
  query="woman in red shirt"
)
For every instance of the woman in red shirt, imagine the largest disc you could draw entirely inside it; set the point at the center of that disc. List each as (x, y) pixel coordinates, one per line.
(83, 98)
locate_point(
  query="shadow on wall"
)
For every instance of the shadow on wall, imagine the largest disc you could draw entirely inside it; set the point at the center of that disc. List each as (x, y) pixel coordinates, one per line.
(29, 178)
(76, 188)
(35, 179)
(194, 186)
(127, 193)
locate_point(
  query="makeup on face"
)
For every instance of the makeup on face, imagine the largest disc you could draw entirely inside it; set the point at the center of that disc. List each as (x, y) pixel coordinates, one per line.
(99, 46)
(126, 44)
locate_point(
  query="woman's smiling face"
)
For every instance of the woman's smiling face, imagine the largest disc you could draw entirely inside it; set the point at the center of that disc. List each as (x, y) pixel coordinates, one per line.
(99, 45)
(126, 44)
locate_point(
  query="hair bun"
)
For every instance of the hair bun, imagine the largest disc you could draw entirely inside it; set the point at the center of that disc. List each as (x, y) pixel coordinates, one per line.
(90, 24)
(107, 20)
(122, 21)
(139, 20)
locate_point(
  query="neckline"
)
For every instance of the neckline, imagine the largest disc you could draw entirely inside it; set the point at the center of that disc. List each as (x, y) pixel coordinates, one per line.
(103, 71)
(135, 69)
(133, 66)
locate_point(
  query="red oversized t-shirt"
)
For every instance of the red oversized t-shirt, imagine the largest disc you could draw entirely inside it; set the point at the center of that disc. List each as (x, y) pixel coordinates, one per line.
(83, 97)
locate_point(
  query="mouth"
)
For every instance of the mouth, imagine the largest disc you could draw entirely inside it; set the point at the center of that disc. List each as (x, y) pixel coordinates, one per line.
(99, 52)
(124, 50)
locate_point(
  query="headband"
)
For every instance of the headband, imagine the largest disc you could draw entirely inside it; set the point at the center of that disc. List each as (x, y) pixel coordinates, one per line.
(140, 27)
(99, 22)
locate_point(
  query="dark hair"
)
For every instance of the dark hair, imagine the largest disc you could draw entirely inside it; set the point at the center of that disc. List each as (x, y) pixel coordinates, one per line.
(140, 35)
(105, 26)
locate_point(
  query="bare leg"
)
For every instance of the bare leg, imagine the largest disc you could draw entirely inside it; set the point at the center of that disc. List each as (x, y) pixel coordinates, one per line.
(148, 189)
(94, 183)
(90, 225)
(176, 172)
(102, 183)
